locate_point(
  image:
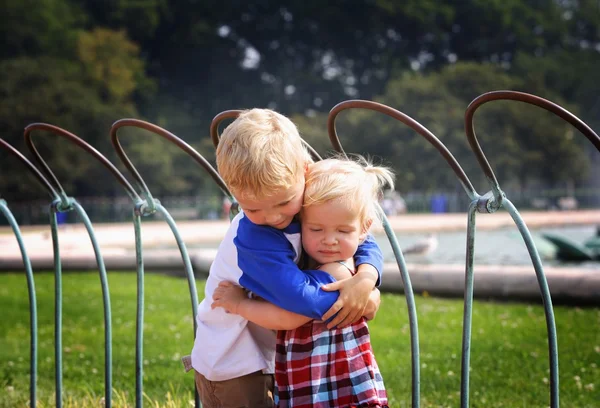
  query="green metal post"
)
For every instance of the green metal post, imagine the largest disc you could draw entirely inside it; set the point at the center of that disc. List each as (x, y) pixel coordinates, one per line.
(106, 302)
(546, 299)
(189, 274)
(33, 321)
(468, 307)
(57, 307)
(412, 313)
(139, 321)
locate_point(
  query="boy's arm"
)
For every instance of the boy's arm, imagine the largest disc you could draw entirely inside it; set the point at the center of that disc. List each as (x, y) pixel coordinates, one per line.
(356, 293)
(269, 316)
(373, 304)
(369, 259)
(266, 259)
(234, 300)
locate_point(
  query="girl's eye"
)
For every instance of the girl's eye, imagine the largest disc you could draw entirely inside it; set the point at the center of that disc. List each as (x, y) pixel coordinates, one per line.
(345, 232)
(315, 229)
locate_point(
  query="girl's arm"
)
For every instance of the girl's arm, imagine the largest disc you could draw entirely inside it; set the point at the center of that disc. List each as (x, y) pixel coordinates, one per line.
(234, 300)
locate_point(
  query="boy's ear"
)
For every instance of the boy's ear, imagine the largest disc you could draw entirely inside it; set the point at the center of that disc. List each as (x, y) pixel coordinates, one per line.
(365, 230)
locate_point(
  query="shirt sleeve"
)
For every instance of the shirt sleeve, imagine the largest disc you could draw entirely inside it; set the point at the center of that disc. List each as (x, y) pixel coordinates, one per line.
(266, 259)
(369, 253)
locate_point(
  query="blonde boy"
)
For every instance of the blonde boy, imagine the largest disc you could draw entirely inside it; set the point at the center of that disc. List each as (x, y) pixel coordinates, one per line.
(261, 158)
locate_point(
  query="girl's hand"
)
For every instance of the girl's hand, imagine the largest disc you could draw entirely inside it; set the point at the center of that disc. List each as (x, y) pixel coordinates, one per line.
(350, 306)
(228, 296)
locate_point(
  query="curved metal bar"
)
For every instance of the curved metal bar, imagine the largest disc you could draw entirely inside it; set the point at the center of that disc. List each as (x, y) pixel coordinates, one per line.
(214, 124)
(79, 142)
(546, 299)
(106, 301)
(468, 307)
(410, 122)
(521, 97)
(232, 114)
(33, 320)
(171, 138)
(412, 311)
(34, 170)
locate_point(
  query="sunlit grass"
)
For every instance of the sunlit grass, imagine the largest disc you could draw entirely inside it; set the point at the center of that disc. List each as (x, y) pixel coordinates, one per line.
(509, 363)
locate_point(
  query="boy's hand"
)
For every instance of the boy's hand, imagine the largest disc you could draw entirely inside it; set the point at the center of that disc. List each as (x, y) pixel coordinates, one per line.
(228, 296)
(354, 295)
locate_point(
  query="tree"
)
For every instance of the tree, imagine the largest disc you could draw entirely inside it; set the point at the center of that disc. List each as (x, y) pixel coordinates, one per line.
(111, 63)
(39, 27)
(523, 144)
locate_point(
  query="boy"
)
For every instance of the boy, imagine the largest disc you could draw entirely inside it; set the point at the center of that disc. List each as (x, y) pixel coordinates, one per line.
(263, 162)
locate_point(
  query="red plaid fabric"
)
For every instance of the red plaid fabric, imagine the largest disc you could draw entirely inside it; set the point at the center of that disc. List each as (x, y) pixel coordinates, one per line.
(320, 368)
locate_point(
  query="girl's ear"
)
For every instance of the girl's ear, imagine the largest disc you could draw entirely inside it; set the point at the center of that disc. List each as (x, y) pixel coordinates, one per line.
(365, 230)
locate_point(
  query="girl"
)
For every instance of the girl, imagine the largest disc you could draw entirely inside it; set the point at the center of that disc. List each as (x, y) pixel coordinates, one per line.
(316, 366)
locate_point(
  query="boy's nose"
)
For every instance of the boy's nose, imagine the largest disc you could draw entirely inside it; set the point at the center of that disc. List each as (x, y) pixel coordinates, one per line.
(273, 218)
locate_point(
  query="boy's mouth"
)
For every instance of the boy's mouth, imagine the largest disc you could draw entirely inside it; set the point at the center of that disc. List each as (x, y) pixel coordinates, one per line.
(280, 225)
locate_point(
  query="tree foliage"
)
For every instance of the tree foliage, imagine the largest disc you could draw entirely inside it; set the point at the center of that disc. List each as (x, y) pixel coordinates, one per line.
(82, 65)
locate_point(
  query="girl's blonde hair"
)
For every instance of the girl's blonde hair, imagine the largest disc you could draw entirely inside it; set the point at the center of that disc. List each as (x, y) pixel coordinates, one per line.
(261, 153)
(356, 183)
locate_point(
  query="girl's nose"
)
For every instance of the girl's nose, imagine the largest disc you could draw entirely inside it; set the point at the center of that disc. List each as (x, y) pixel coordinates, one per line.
(329, 240)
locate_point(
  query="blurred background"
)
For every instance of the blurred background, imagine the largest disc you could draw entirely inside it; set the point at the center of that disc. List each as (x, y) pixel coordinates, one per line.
(83, 64)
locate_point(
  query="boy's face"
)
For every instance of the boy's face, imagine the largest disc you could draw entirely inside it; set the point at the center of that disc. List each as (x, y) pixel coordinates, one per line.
(276, 211)
(331, 232)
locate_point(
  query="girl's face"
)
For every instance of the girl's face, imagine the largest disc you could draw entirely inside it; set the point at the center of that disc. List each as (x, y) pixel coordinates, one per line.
(331, 232)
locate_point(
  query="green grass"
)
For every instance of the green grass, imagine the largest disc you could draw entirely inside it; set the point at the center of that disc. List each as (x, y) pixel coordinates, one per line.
(509, 365)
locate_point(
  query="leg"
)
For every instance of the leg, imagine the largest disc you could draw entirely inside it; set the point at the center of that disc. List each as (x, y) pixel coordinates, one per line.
(206, 391)
(254, 390)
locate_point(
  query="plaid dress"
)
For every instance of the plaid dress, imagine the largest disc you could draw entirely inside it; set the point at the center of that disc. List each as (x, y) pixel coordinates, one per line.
(320, 368)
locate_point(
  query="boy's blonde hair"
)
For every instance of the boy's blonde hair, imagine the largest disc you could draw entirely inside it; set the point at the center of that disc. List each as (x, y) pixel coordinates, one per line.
(261, 153)
(357, 184)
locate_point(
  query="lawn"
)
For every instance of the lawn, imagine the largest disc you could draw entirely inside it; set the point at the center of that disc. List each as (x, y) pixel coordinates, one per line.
(509, 364)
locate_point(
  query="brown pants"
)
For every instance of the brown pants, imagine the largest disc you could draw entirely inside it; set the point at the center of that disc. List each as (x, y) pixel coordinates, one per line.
(249, 391)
